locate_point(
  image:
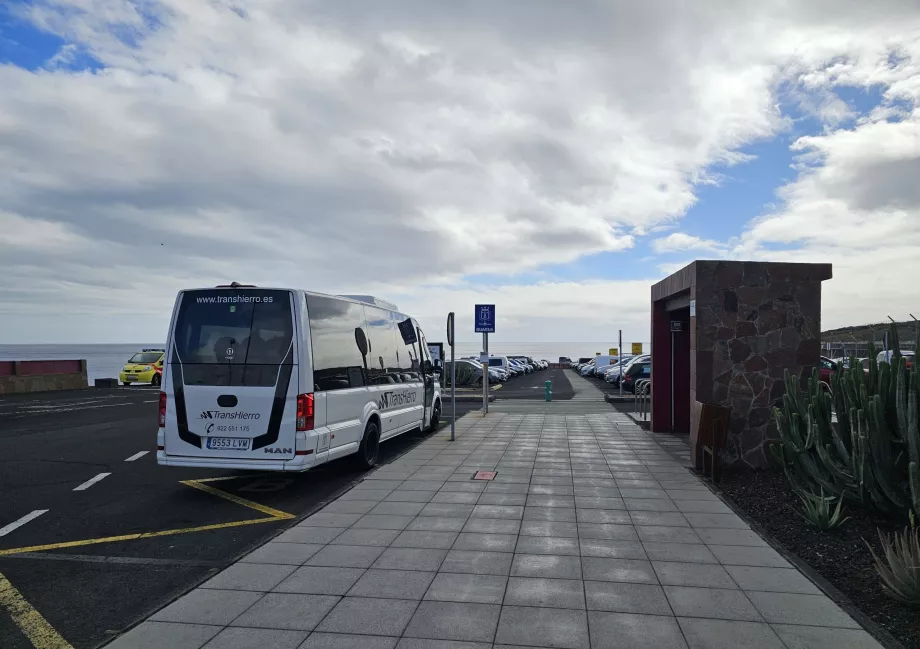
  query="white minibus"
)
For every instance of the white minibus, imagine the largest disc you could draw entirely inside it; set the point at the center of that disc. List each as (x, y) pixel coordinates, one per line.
(280, 379)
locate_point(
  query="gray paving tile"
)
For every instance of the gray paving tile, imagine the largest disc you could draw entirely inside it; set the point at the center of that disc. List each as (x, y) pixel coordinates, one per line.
(383, 522)
(738, 555)
(366, 494)
(617, 516)
(717, 634)
(421, 485)
(312, 580)
(423, 643)
(436, 524)
(549, 528)
(631, 631)
(715, 603)
(621, 597)
(381, 538)
(811, 637)
(612, 548)
(287, 611)
(241, 638)
(204, 606)
(456, 497)
(552, 593)
(350, 507)
(730, 537)
(631, 570)
(410, 496)
(607, 531)
(322, 519)
(567, 502)
(293, 554)
(547, 545)
(481, 589)
(447, 510)
(650, 504)
(476, 562)
(685, 552)
(425, 539)
(346, 556)
(716, 521)
(790, 608)
(397, 508)
(486, 542)
(410, 559)
(543, 627)
(344, 641)
(369, 616)
(546, 565)
(250, 576)
(492, 526)
(156, 635)
(498, 511)
(314, 535)
(408, 584)
(668, 534)
(599, 502)
(667, 519)
(702, 506)
(674, 573)
(550, 514)
(777, 580)
(454, 621)
(643, 493)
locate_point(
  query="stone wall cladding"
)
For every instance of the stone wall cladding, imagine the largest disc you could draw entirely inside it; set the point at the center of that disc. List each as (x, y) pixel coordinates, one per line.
(753, 321)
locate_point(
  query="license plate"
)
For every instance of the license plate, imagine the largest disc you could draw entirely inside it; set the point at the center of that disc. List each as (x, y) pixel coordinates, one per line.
(130, 377)
(229, 443)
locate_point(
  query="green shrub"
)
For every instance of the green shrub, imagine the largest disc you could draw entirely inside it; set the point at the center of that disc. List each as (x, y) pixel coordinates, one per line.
(900, 566)
(818, 511)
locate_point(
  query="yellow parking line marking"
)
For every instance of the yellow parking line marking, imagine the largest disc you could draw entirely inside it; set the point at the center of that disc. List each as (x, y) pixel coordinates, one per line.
(274, 516)
(35, 627)
(230, 477)
(277, 513)
(133, 537)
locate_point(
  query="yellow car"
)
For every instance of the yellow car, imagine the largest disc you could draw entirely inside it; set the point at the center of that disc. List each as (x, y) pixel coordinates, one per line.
(146, 366)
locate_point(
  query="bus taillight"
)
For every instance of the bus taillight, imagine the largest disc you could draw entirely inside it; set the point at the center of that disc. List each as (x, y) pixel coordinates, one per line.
(305, 411)
(162, 410)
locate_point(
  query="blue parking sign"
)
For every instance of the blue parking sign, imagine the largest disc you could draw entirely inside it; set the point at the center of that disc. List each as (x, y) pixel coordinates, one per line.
(485, 318)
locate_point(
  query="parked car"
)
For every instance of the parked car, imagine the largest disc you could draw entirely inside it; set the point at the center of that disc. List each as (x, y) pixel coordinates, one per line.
(906, 353)
(587, 368)
(629, 362)
(613, 372)
(636, 372)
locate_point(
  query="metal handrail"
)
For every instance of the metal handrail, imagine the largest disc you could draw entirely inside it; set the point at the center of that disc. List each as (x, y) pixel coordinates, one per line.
(643, 397)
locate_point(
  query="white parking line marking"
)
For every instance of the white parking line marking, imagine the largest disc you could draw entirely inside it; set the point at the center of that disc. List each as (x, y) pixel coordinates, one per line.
(89, 483)
(22, 521)
(137, 456)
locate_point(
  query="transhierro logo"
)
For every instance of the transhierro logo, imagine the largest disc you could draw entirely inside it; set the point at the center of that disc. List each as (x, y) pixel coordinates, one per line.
(220, 414)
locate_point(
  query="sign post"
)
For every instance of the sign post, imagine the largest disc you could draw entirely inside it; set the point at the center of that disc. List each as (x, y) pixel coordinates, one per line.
(620, 362)
(453, 376)
(484, 317)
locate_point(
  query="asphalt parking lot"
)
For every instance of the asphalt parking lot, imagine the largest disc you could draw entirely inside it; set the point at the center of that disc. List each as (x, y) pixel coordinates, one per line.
(531, 386)
(94, 535)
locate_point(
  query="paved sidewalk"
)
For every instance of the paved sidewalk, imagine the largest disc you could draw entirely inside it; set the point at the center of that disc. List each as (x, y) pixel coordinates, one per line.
(592, 535)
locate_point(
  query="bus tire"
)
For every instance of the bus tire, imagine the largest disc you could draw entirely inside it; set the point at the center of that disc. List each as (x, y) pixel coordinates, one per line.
(369, 450)
(435, 417)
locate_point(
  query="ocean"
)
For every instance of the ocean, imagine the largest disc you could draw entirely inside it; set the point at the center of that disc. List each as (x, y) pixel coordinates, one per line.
(106, 361)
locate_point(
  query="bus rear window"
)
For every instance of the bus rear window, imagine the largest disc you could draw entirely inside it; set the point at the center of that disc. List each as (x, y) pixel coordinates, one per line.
(233, 337)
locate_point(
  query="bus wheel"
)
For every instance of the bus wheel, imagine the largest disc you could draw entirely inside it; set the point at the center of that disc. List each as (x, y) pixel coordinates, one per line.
(435, 417)
(155, 381)
(370, 446)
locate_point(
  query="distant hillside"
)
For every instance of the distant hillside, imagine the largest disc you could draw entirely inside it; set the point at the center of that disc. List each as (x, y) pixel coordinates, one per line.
(906, 332)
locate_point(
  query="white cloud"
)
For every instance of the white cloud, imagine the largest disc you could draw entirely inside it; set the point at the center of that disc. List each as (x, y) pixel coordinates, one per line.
(681, 241)
(351, 146)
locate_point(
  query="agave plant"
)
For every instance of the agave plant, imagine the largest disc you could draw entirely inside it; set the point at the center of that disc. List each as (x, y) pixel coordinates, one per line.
(818, 511)
(900, 567)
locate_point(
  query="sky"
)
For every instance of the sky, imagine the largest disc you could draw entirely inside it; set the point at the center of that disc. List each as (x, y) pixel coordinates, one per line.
(555, 159)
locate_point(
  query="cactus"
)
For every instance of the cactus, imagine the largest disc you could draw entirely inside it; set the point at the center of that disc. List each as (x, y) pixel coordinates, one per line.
(872, 454)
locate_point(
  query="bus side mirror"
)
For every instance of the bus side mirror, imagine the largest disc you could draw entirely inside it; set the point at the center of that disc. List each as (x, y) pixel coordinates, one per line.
(427, 367)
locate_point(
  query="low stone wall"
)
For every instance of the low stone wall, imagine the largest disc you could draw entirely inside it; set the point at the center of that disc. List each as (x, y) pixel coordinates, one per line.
(42, 376)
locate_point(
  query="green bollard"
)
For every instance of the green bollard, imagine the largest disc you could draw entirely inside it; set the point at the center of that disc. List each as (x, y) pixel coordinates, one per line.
(548, 386)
